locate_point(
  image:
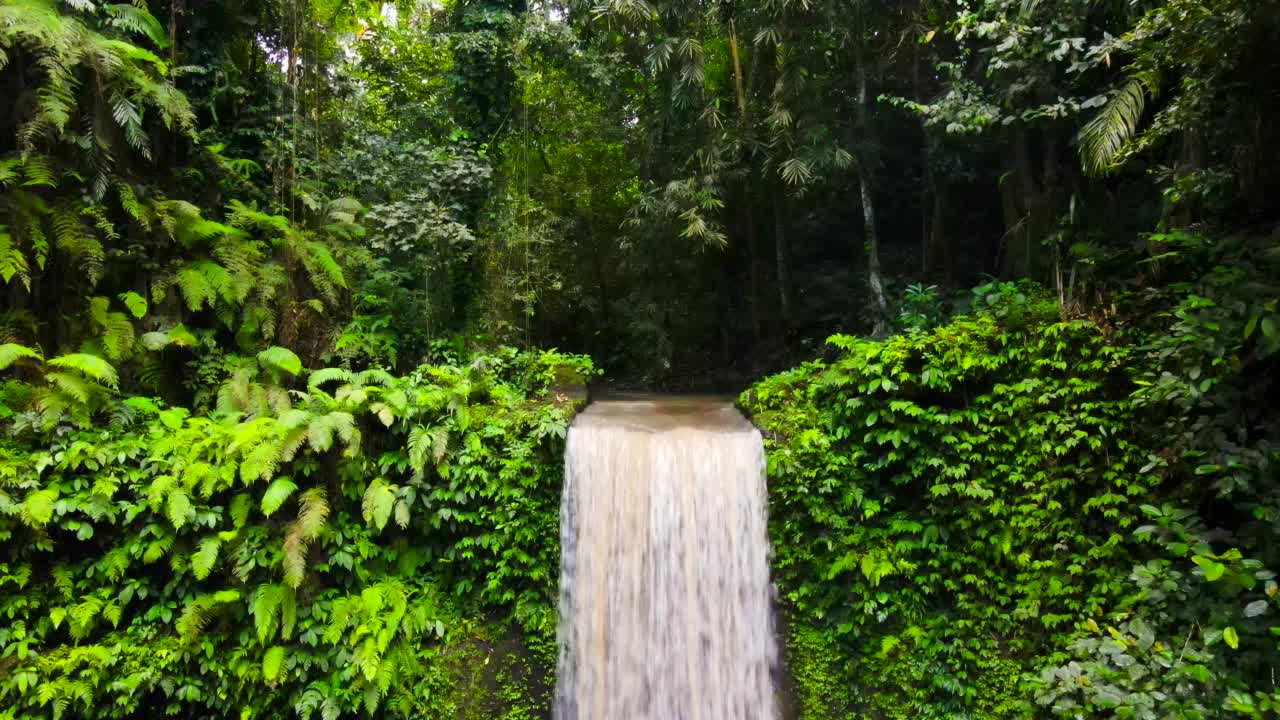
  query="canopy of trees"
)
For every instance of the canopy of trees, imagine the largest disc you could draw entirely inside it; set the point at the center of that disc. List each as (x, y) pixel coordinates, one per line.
(293, 243)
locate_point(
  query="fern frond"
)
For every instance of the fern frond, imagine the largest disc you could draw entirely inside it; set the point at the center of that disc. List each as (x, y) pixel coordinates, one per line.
(137, 20)
(277, 493)
(13, 262)
(426, 443)
(278, 358)
(322, 260)
(136, 304)
(12, 352)
(324, 375)
(129, 202)
(267, 602)
(375, 376)
(73, 238)
(90, 366)
(321, 430)
(204, 558)
(272, 664)
(196, 615)
(178, 508)
(37, 508)
(309, 524)
(79, 390)
(313, 514)
(260, 463)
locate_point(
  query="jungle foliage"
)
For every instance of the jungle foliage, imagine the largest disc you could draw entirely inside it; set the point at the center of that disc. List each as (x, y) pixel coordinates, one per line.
(265, 446)
(1010, 515)
(327, 544)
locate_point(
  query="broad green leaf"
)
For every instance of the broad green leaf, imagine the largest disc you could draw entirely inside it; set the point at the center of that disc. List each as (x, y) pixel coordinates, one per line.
(379, 501)
(1230, 637)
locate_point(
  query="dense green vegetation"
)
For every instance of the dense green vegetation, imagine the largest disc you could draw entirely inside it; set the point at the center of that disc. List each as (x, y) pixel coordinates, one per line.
(267, 449)
(330, 547)
(985, 517)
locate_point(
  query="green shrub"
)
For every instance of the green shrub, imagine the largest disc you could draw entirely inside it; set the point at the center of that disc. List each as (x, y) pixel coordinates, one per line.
(358, 543)
(951, 505)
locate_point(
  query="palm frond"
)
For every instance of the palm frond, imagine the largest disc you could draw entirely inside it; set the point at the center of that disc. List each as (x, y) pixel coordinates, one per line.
(1104, 138)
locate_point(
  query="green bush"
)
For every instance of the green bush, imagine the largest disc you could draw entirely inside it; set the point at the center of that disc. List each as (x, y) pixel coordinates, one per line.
(358, 543)
(951, 505)
(1009, 515)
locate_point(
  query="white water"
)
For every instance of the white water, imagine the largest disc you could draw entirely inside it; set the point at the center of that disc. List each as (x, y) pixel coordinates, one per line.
(665, 602)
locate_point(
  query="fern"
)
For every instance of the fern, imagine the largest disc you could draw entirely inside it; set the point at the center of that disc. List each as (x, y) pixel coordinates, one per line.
(90, 366)
(197, 614)
(136, 304)
(272, 663)
(196, 288)
(72, 237)
(325, 375)
(178, 508)
(157, 549)
(138, 21)
(116, 563)
(313, 514)
(278, 358)
(322, 260)
(277, 493)
(203, 560)
(178, 335)
(129, 202)
(11, 353)
(260, 463)
(13, 263)
(426, 443)
(116, 328)
(274, 606)
(37, 508)
(321, 431)
(83, 615)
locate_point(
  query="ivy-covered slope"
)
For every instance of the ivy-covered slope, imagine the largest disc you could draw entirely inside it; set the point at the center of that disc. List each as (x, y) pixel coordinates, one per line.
(355, 544)
(973, 522)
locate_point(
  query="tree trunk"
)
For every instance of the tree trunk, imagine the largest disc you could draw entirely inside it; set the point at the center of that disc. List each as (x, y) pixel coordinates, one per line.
(176, 8)
(874, 280)
(1022, 219)
(780, 244)
(934, 250)
(753, 260)
(747, 216)
(937, 262)
(871, 235)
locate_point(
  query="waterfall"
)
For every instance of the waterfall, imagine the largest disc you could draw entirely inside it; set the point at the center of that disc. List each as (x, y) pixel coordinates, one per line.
(665, 602)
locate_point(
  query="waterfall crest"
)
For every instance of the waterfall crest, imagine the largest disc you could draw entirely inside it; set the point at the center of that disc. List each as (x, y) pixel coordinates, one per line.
(665, 602)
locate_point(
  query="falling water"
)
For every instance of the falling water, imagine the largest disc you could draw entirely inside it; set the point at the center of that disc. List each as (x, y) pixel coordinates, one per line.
(665, 607)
